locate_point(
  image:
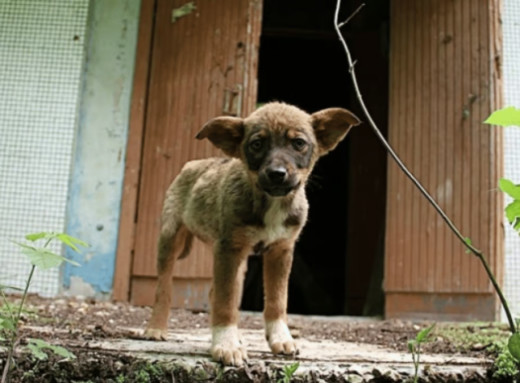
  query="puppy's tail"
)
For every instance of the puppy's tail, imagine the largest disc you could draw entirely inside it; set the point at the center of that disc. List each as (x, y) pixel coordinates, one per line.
(188, 242)
(170, 244)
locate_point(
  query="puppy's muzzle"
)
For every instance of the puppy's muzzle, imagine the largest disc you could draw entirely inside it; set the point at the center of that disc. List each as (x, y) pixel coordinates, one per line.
(277, 181)
(277, 175)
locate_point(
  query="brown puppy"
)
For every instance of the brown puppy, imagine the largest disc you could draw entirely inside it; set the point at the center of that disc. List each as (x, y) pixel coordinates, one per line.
(251, 203)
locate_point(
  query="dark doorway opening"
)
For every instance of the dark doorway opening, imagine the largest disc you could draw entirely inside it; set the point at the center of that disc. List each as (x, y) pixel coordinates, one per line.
(302, 63)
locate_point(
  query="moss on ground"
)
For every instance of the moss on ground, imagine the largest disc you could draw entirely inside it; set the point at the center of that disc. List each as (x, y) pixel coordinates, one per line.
(491, 337)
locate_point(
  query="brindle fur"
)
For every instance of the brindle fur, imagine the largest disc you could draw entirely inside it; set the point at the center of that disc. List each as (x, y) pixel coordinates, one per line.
(253, 202)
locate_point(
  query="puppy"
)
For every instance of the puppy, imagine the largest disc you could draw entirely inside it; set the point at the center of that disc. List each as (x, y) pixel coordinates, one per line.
(253, 202)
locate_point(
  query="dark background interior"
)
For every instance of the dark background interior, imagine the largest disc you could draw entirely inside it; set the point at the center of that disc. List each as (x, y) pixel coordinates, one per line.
(338, 263)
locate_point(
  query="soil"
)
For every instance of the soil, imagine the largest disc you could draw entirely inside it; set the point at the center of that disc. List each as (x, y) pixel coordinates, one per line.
(67, 319)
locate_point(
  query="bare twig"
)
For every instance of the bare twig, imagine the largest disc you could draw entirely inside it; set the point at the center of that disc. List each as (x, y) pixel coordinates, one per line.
(352, 15)
(7, 305)
(403, 167)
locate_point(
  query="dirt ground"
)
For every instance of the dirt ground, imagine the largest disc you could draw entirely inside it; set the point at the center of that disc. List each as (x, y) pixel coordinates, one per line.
(86, 321)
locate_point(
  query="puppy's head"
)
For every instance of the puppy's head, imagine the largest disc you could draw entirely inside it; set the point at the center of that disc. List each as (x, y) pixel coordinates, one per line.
(279, 143)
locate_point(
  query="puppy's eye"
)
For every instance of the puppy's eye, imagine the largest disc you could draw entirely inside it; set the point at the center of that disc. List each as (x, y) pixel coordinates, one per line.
(256, 145)
(299, 144)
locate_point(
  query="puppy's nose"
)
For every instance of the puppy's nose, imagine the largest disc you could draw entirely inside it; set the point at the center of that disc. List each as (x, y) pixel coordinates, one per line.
(277, 174)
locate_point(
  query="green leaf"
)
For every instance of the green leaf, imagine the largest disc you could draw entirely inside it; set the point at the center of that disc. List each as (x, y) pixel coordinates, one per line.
(36, 236)
(66, 239)
(424, 333)
(504, 117)
(183, 10)
(3, 287)
(514, 346)
(516, 225)
(42, 258)
(63, 352)
(290, 370)
(37, 346)
(513, 211)
(411, 345)
(509, 188)
(71, 241)
(7, 324)
(37, 352)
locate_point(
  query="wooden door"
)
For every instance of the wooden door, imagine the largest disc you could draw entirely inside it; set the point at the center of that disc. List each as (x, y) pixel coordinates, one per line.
(445, 79)
(190, 68)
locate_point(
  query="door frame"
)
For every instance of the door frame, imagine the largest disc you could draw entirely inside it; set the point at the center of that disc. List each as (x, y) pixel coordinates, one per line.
(127, 223)
(122, 284)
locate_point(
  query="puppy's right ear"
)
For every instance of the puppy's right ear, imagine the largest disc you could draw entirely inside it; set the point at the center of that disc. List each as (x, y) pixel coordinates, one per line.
(226, 133)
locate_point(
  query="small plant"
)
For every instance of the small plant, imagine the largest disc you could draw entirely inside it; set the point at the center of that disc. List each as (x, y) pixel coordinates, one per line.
(142, 376)
(36, 346)
(288, 372)
(41, 258)
(507, 117)
(513, 209)
(505, 366)
(414, 346)
(149, 372)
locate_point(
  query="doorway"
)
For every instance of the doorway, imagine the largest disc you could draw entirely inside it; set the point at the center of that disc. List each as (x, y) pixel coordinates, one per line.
(301, 62)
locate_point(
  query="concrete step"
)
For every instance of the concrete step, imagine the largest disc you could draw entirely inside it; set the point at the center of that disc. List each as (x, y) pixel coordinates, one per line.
(186, 353)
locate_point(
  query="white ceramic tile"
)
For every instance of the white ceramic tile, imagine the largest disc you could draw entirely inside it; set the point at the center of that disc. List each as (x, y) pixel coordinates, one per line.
(41, 59)
(511, 30)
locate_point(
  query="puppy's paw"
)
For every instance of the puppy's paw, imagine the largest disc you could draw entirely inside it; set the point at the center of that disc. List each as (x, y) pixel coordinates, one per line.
(226, 346)
(155, 334)
(279, 337)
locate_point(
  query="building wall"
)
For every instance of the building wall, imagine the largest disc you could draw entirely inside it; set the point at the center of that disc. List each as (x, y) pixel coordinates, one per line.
(511, 68)
(41, 59)
(66, 70)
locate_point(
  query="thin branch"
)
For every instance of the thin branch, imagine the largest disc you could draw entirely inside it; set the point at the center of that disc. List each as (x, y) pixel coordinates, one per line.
(403, 167)
(24, 296)
(7, 305)
(352, 15)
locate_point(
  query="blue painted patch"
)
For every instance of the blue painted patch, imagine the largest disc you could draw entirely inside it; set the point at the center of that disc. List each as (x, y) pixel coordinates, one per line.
(96, 184)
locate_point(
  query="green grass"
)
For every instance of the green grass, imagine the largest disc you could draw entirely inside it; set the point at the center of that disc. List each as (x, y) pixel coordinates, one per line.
(491, 337)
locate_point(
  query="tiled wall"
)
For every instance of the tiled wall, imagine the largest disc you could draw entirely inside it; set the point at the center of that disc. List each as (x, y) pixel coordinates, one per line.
(511, 30)
(41, 61)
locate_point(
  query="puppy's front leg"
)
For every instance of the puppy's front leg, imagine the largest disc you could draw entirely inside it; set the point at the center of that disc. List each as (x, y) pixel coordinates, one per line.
(229, 267)
(277, 267)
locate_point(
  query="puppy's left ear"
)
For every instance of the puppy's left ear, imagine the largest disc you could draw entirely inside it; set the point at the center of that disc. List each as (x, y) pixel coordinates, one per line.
(331, 126)
(225, 133)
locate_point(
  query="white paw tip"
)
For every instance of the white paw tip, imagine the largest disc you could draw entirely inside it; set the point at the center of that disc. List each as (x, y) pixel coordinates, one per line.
(226, 346)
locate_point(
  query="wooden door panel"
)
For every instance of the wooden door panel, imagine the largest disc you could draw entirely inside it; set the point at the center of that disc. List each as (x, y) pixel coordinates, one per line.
(442, 86)
(197, 63)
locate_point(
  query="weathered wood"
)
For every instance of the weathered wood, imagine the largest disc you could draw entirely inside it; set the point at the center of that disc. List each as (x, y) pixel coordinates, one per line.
(188, 292)
(185, 68)
(444, 83)
(441, 306)
(121, 288)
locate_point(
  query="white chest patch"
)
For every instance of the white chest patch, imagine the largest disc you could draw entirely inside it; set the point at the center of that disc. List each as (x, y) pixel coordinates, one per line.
(274, 221)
